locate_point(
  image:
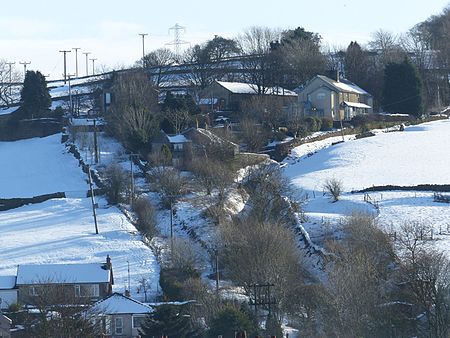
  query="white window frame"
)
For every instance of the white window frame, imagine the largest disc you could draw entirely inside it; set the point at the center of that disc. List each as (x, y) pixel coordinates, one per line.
(118, 329)
(32, 291)
(136, 316)
(77, 289)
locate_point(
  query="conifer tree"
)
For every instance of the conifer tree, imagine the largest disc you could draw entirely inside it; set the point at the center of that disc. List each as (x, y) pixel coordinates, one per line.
(402, 90)
(35, 97)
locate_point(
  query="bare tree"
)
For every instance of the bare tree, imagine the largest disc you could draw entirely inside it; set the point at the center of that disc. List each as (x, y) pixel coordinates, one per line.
(255, 45)
(59, 313)
(428, 279)
(158, 62)
(179, 119)
(8, 76)
(169, 183)
(359, 279)
(146, 216)
(334, 188)
(255, 252)
(115, 182)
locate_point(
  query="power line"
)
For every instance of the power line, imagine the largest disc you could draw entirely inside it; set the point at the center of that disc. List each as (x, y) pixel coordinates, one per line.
(177, 42)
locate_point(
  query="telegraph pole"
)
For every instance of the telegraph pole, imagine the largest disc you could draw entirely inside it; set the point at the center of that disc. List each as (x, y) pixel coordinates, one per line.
(93, 66)
(76, 60)
(93, 200)
(65, 63)
(10, 64)
(24, 63)
(143, 47)
(86, 54)
(69, 76)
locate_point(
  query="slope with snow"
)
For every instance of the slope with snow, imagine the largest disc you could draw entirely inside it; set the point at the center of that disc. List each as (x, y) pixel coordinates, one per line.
(62, 230)
(419, 155)
(39, 166)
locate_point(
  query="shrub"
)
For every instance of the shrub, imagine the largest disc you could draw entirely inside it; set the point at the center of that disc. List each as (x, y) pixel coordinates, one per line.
(146, 217)
(327, 124)
(172, 282)
(334, 188)
(231, 320)
(115, 182)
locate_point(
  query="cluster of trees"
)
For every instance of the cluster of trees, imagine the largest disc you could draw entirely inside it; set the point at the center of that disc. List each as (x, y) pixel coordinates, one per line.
(288, 58)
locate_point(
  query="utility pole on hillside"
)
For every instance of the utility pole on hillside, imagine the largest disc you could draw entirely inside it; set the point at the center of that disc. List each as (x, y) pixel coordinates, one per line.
(93, 65)
(87, 68)
(65, 63)
(143, 47)
(132, 178)
(24, 63)
(93, 200)
(76, 60)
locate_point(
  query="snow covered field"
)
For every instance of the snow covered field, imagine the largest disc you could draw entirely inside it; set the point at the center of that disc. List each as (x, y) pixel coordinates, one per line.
(419, 155)
(39, 166)
(62, 230)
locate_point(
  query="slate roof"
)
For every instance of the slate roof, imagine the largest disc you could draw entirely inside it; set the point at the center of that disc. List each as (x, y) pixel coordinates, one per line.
(63, 274)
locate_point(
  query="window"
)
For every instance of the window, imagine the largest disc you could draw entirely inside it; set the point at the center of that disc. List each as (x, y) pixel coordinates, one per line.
(87, 290)
(178, 146)
(138, 321)
(118, 325)
(77, 290)
(32, 291)
(320, 96)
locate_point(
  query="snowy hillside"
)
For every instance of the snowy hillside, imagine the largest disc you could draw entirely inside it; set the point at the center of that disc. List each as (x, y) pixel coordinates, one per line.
(38, 166)
(62, 230)
(419, 155)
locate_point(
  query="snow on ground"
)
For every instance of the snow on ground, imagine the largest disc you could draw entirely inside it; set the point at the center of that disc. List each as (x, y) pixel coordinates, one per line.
(62, 231)
(39, 166)
(419, 155)
(5, 111)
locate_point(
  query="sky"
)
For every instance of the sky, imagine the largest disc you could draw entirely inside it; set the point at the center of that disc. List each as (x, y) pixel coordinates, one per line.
(37, 30)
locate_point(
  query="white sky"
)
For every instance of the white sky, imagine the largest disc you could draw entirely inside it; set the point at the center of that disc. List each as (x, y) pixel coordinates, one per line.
(36, 30)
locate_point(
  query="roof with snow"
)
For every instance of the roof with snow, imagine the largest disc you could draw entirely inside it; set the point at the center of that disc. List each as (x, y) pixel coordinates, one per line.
(343, 85)
(356, 104)
(178, 139)
(249, 88)
(120, 304)
(63, 274)
(7, 282)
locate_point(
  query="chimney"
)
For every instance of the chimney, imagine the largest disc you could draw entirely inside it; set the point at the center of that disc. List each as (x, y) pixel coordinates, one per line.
(108, 262)
(337, 75)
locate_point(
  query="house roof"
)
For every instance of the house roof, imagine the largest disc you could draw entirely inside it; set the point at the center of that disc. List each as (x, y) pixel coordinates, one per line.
(343, 85)
(63, 274)
(249, 88)
(178, 139)
(120, 304)
(7, 282)
(356, 104)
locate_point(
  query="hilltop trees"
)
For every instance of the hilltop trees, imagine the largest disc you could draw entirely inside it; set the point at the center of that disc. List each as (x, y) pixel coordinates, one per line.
(35, 98)
(402, 90)
(134, 117)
